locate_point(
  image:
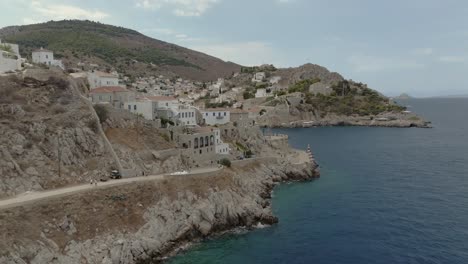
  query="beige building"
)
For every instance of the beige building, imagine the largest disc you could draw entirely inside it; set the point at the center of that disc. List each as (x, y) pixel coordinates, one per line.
(99, 79)
(240, 118)
(199, 145)
(113, 95)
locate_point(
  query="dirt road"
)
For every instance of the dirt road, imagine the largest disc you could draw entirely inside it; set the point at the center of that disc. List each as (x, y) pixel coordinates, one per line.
(31, 197)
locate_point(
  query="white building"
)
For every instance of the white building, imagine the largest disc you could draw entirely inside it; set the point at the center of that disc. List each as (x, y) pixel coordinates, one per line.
(100, 79)
(261, 93)
(221, 147)
(114, 95)
(44, 56)
(216, 116)
(259, 77)
(275, 79)
(152, 107)
(186, 116)
(142, 106)
(10, 59)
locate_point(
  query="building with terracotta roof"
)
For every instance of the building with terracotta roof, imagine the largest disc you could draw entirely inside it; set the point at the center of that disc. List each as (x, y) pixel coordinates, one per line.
(115, 95)
(44, 56)
(100, 79)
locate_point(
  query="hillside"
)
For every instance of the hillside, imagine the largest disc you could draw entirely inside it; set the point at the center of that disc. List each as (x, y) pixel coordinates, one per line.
(127, 50)
(45, 121)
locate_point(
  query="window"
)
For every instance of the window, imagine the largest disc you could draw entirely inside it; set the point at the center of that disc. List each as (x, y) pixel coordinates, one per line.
(207, 143)
(134, 107)
(214, 114)
(100, 98)
(211, 140)
(195, 143)
(201, 142)
(47, 56)
(206, 114)
(201, 151)
(129, 107)
(167, 104)
(224, 113)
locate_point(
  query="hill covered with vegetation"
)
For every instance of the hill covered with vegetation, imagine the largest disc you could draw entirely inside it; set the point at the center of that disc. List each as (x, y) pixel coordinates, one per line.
(124, 49)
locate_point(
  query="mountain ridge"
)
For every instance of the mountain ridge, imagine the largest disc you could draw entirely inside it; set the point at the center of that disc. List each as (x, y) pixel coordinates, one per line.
(126, 50)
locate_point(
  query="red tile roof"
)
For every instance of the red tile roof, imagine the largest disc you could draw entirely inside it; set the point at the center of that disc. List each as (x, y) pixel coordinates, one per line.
(161, 98)
(108, 89)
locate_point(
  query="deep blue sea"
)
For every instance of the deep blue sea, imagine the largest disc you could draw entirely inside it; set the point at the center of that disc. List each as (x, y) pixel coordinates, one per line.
(386, 195)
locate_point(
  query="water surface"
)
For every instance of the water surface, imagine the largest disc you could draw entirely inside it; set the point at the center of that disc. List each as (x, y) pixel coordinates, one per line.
(386, 195)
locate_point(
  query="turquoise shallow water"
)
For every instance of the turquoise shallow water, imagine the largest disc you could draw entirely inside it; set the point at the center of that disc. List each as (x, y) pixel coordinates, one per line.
(386, 196)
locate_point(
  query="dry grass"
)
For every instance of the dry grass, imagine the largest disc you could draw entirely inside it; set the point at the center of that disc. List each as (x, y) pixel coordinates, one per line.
(98, 212)
(138, 138)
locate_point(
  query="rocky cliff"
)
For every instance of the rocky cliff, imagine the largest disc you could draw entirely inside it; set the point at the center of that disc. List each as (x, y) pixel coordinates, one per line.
(50, 136)
(144, 222)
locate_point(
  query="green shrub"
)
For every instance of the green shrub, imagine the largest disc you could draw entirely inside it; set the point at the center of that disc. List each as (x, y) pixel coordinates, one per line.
(101, 112)
(248, 95)
(225, 162)
(302, 86)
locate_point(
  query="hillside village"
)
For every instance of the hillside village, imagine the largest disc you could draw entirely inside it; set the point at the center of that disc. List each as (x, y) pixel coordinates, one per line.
(200, 116)
(132, 131)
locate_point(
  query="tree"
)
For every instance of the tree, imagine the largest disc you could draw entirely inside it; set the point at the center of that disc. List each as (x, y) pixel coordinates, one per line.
(101, 112)
(225, 162)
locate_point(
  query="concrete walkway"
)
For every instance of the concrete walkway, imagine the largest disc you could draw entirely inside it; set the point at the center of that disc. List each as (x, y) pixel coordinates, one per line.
(31, 197)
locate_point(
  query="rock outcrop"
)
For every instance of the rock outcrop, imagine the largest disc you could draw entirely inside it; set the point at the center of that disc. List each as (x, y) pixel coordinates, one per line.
(145, 223)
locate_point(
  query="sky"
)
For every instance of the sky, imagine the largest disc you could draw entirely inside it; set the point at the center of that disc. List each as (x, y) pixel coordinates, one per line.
(419, 47)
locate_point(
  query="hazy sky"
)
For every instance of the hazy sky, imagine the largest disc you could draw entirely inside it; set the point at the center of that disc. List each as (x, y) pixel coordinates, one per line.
(414, 46)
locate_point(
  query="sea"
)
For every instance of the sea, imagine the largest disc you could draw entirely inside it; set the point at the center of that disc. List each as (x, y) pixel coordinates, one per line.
(386, 195)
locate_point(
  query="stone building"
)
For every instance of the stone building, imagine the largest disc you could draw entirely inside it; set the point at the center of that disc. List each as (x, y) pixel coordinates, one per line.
(240, 118)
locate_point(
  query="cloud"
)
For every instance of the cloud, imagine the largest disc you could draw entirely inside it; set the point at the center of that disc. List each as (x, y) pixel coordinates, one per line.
(365, 63)
(187, 8)
(59, 11)
(452, 59)
(246, 53)
(423, 51)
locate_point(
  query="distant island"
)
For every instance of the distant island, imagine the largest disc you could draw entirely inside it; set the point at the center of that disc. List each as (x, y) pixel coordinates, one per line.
(403, 96)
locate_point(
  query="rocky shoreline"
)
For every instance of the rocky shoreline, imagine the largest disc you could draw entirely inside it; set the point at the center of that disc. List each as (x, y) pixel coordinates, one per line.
(146, 223)
(362, 123)
(265, 220)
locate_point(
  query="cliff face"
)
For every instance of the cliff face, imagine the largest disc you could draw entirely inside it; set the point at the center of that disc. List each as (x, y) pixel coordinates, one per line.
(42, 122)
(147, 221)
(45, 121)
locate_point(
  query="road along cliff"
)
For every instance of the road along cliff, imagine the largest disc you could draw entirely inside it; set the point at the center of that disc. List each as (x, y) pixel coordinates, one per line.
(145, 221)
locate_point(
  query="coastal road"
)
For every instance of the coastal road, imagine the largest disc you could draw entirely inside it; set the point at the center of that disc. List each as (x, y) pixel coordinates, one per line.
(31, 197)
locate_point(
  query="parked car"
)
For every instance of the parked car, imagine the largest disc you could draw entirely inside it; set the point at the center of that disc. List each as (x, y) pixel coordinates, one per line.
(115, 174)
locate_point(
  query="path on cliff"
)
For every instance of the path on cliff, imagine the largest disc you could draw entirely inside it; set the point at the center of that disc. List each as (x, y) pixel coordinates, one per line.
(31, 197)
